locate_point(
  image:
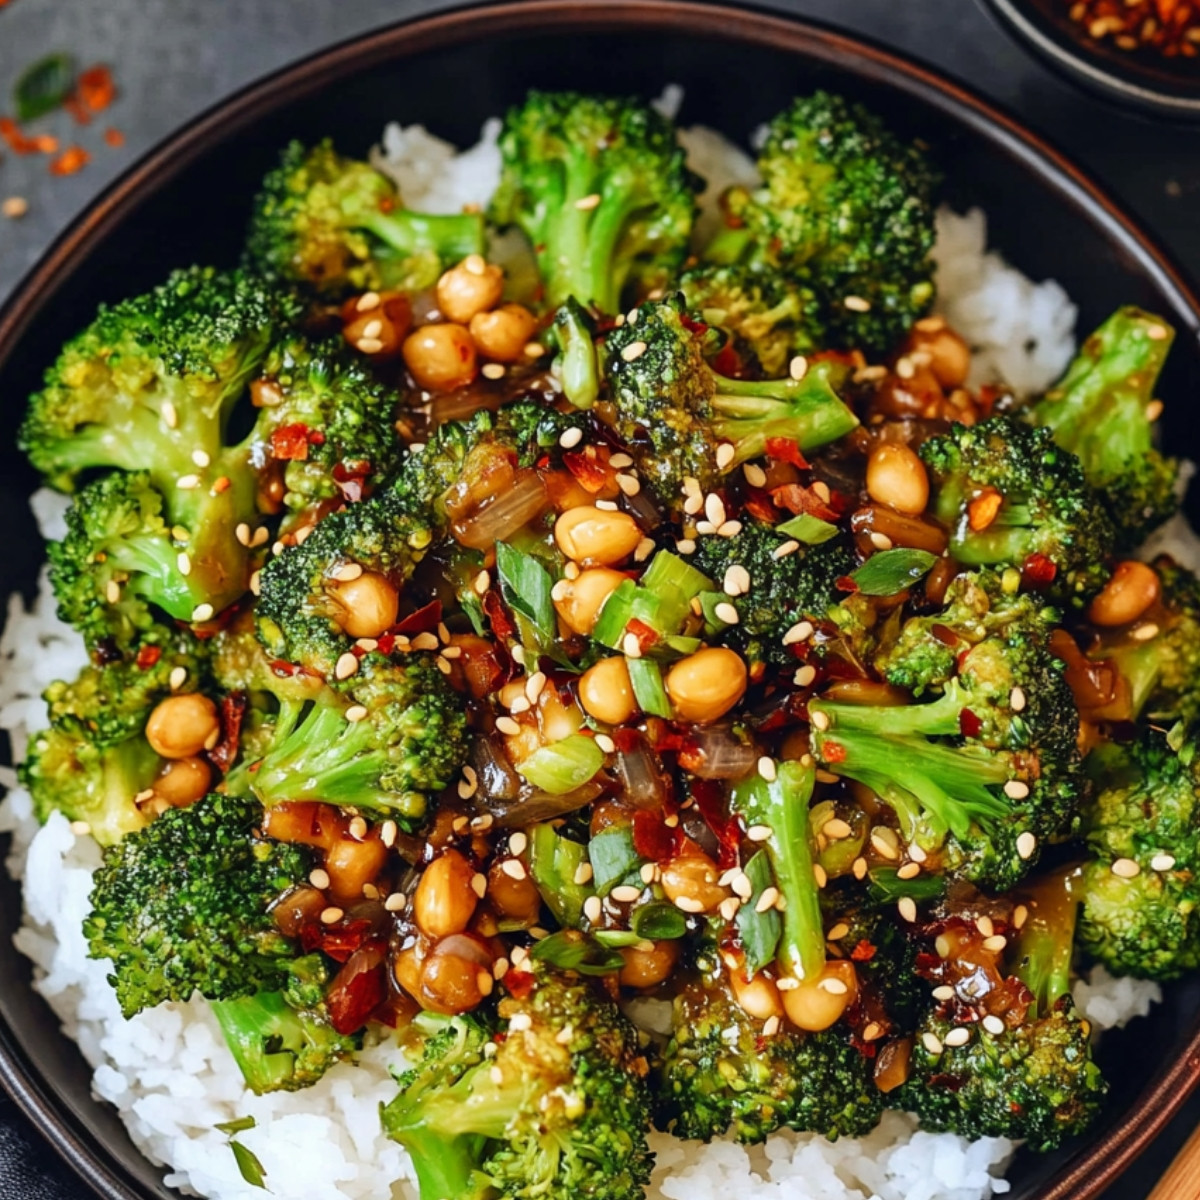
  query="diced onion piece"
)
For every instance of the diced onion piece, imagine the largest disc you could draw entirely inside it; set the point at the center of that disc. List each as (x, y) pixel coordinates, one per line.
(720, 755)
(507, 513)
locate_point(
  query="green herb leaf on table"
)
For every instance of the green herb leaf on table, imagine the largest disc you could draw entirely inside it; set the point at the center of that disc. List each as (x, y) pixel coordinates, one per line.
(43, 86)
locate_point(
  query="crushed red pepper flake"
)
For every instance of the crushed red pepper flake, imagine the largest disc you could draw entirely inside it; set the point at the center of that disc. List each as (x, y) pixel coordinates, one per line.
(72, 159)
(114, 137)
(1170, 27)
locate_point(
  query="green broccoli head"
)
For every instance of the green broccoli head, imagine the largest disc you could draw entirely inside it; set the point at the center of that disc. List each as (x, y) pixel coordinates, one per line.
(305, 601)
(337, 225)
(1103, 410)
(398, 735)
(1012, 497)
(1140, 890)
(599, 187)
(847, 208)
(184, 905)
(783, 590)
(770, 316)
(556, 1104)
(721, 1074)
(327, 421)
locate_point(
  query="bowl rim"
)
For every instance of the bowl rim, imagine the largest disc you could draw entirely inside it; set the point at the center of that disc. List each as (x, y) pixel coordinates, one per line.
(1070, 58)
(1093, 1166)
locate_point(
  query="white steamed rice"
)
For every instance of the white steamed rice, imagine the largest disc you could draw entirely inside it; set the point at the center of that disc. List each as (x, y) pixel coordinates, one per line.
(168, 1072)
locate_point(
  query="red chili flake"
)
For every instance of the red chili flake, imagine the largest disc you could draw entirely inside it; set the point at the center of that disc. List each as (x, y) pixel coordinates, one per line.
(147, 656)
(626, 740)
(786, 450)
(16, 141)
(845, 584)
(1038, 571)
(709, 797)
(220, 485)
(285, 670)
(519, 984)
(351, 1003)
(425, 620)
(343, 939)
(95, 88)
(833, 752)
(290, 442)
(797, 498)
(759, 505)
(72, 159)
(653, 839)
(1171, 27)
(863, 952)
(233, 710)
(728, 362)
(114, 137)
(646, 637)
(969, 725)
(696, 328)
(502, 624)
(592, 474)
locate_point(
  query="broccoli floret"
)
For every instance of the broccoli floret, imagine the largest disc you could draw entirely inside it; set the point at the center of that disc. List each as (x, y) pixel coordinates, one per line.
(720, 1073)
(1141, 891)
(150, 386)
(672, 407)
(599, 187)
(556, 1104)
(1101, 411)
(847, 208)
(1011, 496)
(302, 616)
(397, 735)
(184, 905)
(284, 1041)
(782, 591)
(327, 421)
(337, 225)
(770, 315)
(1034, 1078)
(980, 777)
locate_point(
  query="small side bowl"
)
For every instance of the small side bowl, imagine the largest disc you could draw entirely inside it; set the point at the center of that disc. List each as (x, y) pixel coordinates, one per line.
(1150, 82)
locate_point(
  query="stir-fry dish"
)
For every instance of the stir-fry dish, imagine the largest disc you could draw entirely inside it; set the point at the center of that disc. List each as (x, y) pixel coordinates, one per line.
(651, 683)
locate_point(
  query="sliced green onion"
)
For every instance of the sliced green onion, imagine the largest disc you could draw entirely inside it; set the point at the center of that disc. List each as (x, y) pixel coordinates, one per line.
(646, 677)
(613, 858)
(891, 571)
(808, 529)
(554, 866)
(658, 922)
(563, 766)
(759, 931)
(570, 950)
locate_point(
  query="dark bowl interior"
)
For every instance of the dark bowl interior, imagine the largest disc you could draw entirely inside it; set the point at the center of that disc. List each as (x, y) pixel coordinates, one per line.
(189, 203)
(1143, 78)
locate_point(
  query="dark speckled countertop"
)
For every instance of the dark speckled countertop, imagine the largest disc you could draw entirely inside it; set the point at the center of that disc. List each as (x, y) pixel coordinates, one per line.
(173, 58)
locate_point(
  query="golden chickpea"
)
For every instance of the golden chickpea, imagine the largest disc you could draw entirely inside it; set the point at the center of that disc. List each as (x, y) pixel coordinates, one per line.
(183, 782)
(515, 899)
(897, 477)
(450, 984)
(472, 287)
(606, 692)
(503, 334)
(596, 536)
(368, 605)
(183, 726)
(444, 900)
(440, 357)
(817, 1004)
(1126, 596)
(555, 720)
(706, 685)
(646, 967)
(758, 997)
(407, 969)
(583, 597)
(351, 865)
(949, 356)
(690, 883)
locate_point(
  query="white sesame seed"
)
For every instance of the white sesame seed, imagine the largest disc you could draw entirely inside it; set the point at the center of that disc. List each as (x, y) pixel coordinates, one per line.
(356, 713)
(534, 685)
(1154, 410)
(534, 350)
(331, 915)
(907, 908)
(859, 868)
(770, 1026)
(881, 541)
(856, 304)
(584, 203)
(1162, 862)
(346, 665)
(766, 767)
(629, 484)
(606, 505)
(728, 529)
(785, 548)
(200, 458)
(685, 546)
(187, 482)
(1020, 916)
(688, 905)
(932, 1043)
(424, 641)
(369, 345)
(570, 437)
(728, 907)
(643, 550)
(942, 946)
(1016, 700)
(583, 874)
(758, 833)
(958, 1037)
(985, 926)
(1026, 845)
(633, 351)
(592, 908)
(766, 901)
(387, 833)
(819, 719)
(508, 725)
(800, 632)
(626, 893)
(1156, 333)
(714, 509)
(347, 572)
(905, 368)
(833, 985)
(492, 370)
(367, 301)
(885, 842)
(514, 868)
(1014, 789)
(452, 652)
(605, 743)
(725, 453)
(202, 612)
(804, 676)
(742, 885)
(910, 870)
(945, 992)
(256, 583)
(518, 654)
(648, 872)
(993, 1024)
(693, 504)
(170, 415)
(631, 647)
(1144, 633)
(736, 581)
(995, 943)
(619, 461)
(1126, 868)
(112, 591)
(443, 664)
(319, 878)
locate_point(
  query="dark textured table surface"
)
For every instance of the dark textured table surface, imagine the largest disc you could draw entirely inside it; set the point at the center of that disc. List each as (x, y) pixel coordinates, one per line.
(173, 58)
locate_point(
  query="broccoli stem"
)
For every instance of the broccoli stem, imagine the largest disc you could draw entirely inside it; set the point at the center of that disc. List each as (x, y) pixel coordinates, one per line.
(1043, 952)
(729, 245)
(263, 1034)
(578, 367)
(781, 804)
(453, 235)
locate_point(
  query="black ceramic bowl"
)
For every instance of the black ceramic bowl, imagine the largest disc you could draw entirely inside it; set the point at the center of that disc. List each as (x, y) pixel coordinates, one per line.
(1143, 79)
(188, 202)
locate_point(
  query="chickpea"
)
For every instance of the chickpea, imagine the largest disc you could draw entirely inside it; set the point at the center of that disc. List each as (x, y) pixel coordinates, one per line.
(583, 597)
(593, 535)
(351, 865)
(606, 692)
(470, 288)
(503, 334)
(406, 967)
(555, 720)
(369, 605)
(183, 782)
(692, 879)
(646, 967)
(514, 899)
(183, 726)
(758, 997)
(706, 685)
(814, 1007)
(440, 357)
(949, 356)
(1126, 596)
(379, 330)
(896, 476)
(449, 984)
(444, 900)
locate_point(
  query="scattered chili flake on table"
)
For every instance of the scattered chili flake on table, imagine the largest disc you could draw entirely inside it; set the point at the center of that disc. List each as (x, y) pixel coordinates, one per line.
(72, 159)
(114, 137)
(1172, 27)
